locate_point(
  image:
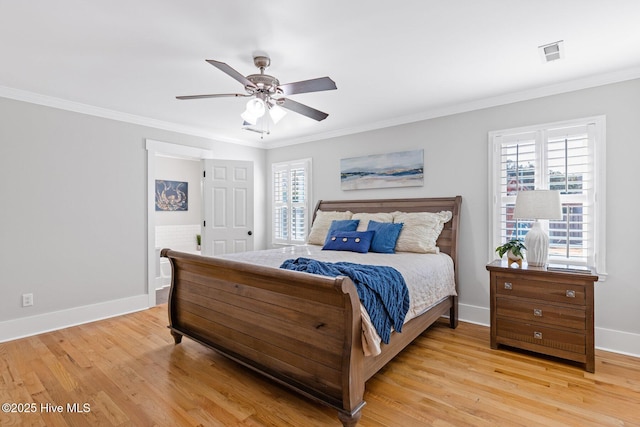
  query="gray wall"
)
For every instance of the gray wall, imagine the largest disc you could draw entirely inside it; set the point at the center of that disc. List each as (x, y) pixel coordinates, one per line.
(456, 162)
(73, 227)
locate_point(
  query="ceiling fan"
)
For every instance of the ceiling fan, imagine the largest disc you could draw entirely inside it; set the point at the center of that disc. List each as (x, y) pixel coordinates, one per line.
(267, 94)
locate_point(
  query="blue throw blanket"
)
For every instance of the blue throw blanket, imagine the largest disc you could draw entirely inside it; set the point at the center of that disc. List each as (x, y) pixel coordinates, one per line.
(382, 290)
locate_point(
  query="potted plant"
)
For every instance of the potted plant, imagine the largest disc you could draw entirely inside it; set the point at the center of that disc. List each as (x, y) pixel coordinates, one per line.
(513, 248)
(198, 242)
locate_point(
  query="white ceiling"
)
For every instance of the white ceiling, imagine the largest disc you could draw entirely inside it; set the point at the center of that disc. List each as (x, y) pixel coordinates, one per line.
(393, 62)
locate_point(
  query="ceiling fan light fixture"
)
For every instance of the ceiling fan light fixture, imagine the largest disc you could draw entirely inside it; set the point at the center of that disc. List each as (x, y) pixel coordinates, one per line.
(256, 107)
(277, 113)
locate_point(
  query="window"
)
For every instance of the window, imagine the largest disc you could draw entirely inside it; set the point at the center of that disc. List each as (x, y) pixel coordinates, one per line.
(568, 157)
(291, 199)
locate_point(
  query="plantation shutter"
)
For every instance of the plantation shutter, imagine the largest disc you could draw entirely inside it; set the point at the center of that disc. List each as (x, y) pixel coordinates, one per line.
(298, 176)
(517, 165)
(559, 157)
(291, 198)
(570, 160)
(280, 203)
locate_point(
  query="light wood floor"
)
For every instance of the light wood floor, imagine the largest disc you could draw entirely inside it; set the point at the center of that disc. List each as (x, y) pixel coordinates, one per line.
(128, 372)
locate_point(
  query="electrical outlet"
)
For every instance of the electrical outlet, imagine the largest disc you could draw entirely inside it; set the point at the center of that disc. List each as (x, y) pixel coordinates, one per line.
(27, 300)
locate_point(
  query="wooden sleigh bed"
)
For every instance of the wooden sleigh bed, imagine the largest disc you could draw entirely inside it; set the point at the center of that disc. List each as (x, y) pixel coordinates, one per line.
(301, 330)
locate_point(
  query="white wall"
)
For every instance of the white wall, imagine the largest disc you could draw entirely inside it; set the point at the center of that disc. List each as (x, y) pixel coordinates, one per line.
(456, 162)
(185, 170)
(73, 216)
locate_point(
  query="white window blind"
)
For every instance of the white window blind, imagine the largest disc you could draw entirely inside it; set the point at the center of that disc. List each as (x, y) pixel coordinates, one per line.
(291, 199)
(568, 157)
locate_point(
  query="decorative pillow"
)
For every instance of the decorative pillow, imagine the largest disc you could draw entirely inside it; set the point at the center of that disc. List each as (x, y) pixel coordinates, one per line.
(385, 237)
(420, 231)
(322, 223)
(342, 225)
(366, 217)
(354, 241)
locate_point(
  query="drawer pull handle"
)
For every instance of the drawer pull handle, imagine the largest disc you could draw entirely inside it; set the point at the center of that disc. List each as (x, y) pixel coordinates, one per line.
(570, 294)
(508, 285)
(537, 312)
(537, 335)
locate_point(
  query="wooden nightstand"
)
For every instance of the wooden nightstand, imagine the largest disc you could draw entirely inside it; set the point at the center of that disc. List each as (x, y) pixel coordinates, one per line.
(542, 310)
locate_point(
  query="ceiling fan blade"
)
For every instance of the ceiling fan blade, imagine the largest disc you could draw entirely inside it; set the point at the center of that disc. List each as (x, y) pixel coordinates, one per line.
(302, 109)
(313, 85)
(230, 71)
(216, 95)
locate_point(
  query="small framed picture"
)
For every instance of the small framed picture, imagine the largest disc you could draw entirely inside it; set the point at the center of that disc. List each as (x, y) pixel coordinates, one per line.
(172, 195)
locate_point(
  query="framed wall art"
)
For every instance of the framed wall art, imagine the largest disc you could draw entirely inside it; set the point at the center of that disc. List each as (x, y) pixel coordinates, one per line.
(399, 169)
(172, 195)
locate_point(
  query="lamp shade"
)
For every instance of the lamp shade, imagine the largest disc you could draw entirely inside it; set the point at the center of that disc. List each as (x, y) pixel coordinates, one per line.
(538, 204)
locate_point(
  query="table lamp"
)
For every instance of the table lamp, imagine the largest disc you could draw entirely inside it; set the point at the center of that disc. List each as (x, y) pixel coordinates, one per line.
(536, 205)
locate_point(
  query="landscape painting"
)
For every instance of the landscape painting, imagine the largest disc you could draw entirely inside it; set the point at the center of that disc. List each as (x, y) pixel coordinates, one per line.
(172, 195)
(399, 169)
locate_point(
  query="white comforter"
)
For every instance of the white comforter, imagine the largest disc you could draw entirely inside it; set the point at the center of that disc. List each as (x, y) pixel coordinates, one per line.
(429, 277)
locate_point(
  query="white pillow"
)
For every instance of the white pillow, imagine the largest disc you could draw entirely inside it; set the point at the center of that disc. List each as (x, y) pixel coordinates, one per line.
(420, 230)
(366, 217)
(321, 225)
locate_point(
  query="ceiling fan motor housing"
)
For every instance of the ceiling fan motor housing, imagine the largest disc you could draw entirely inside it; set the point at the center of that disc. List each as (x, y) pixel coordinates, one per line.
(264, 82)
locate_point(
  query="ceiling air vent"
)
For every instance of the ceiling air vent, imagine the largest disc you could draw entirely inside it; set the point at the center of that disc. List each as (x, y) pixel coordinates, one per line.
(552, 51)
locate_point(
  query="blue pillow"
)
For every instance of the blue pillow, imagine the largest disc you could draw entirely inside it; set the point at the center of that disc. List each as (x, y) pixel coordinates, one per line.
(342, 225)
(354, 241)
(386, 236)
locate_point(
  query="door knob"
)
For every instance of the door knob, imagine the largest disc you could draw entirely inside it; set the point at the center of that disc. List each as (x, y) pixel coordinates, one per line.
(249, 232)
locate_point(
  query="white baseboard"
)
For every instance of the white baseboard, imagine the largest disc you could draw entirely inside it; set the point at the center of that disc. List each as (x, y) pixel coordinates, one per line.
(618, 341)
(606, 339)
(474, 314)
(33, 325)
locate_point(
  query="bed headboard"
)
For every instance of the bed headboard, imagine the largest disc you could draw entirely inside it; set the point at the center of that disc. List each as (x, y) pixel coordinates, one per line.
(448, 240)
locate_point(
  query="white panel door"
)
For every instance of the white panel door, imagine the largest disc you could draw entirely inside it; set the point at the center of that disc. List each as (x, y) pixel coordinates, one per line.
(228, 207)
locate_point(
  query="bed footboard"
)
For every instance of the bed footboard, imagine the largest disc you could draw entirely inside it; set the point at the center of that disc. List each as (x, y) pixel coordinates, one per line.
(300, 330)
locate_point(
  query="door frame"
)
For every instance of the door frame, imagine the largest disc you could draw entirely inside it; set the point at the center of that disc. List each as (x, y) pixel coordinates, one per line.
(155, 148)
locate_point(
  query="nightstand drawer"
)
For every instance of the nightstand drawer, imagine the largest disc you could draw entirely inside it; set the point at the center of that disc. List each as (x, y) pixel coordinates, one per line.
(534, 311)
(538, 335)
(521, 287)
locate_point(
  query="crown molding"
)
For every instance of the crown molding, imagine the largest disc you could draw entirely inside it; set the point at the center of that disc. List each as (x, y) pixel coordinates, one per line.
(564, 87)
(77, 107)
(510, 98)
